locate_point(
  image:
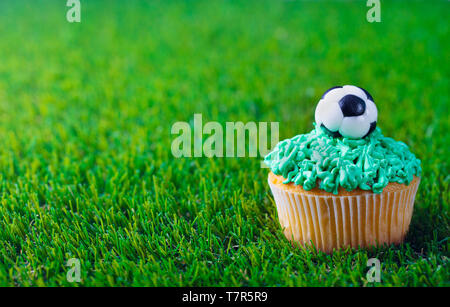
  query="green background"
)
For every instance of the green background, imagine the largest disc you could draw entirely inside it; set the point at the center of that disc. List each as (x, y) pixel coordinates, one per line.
(86, 110)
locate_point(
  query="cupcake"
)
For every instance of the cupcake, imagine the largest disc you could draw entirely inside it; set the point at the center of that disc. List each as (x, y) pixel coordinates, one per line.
(344, 183)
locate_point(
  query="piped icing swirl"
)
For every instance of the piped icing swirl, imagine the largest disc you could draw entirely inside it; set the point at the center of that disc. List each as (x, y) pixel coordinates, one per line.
(316, 158)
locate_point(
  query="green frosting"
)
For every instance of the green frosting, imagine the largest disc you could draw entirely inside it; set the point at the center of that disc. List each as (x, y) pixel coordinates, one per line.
(318, 158)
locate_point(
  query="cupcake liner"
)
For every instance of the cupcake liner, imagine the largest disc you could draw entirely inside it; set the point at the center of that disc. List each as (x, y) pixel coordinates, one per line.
(333, 221)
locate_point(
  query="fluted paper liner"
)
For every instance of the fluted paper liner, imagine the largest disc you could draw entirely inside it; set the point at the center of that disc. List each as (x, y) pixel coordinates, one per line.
(357, 218)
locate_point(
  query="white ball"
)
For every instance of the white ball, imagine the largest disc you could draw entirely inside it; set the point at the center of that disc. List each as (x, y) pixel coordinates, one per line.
(347, 111)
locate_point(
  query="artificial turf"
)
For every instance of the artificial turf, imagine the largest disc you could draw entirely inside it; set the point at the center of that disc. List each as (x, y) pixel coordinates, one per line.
(86, 110)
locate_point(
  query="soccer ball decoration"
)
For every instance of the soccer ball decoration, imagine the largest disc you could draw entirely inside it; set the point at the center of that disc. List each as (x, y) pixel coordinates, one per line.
(347, 111)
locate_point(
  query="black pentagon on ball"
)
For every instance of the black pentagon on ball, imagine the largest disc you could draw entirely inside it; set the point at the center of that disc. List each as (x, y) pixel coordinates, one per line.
(331, 88)
(334, 134)
(352, 105)
(373, 125)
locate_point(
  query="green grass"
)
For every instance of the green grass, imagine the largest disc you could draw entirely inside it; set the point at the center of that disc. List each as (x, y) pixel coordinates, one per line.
(86, 110)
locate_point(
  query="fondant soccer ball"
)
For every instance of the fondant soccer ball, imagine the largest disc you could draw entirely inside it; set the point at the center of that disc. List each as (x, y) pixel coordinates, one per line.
(347, 111)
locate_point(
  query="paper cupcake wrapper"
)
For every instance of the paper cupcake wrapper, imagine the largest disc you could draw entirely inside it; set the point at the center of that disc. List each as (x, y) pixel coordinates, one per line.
(332, 222)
